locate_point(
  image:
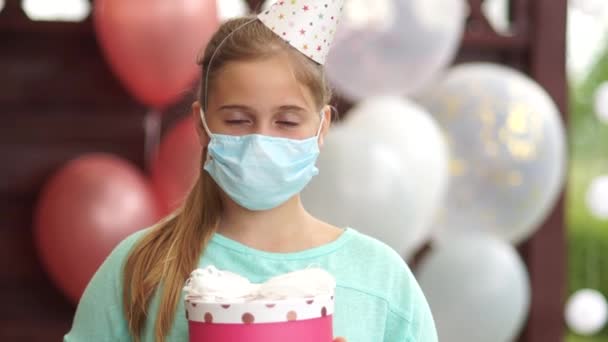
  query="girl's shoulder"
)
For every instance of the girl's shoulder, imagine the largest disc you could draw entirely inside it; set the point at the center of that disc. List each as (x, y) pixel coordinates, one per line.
(126, 245)
(373, 251)
(371, 266)
(374, 269)
(100, 315)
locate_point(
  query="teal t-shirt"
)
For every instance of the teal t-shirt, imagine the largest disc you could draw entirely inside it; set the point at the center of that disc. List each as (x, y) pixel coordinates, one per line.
(377, 297)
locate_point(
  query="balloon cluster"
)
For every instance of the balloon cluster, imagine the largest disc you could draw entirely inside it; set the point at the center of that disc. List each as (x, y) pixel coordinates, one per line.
(472, 168)
(96, 200)
(507, 169)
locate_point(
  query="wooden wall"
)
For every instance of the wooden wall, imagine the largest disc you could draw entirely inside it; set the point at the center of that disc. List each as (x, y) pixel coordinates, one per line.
(58, 99)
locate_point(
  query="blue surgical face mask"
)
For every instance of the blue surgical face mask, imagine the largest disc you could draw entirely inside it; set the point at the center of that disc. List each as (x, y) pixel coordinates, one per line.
(261, 172)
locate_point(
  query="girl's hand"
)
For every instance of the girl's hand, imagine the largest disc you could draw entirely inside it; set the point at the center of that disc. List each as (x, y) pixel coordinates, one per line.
(340, 339)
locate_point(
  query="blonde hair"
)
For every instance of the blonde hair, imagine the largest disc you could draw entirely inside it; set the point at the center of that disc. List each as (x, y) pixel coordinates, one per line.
(162, 260)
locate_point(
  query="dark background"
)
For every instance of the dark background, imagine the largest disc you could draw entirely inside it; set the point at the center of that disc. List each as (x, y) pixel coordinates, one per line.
(58, 99)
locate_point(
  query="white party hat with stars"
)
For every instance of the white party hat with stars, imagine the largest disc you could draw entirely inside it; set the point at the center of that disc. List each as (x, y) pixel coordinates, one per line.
(307, 25)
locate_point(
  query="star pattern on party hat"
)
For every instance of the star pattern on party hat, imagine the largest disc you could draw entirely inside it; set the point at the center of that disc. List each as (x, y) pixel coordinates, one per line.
(307, 25)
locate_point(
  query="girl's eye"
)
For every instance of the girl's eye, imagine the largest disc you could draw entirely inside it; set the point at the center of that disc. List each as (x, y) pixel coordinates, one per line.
(237, 122)
(287, 123)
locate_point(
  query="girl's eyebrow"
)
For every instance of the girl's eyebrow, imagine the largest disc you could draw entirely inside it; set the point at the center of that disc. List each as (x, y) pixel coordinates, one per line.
(243, 108)
(237, 107)
(294, 108)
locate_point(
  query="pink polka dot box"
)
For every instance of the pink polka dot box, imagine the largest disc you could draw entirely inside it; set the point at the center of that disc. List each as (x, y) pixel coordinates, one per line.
(301, 318)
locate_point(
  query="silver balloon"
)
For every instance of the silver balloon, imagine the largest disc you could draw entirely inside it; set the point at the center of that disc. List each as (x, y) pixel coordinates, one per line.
(508, 151)
(478, 289)
(394, 47)
(384, 173)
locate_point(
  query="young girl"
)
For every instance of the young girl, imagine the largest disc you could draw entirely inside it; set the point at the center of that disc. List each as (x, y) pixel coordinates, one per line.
(262, 114)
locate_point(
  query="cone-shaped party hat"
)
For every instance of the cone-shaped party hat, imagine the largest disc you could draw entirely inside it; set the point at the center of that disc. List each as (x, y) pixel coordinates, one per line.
(307, 25)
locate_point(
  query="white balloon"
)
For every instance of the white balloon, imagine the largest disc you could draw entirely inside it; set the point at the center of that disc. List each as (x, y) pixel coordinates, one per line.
(478, 289)
(228, 9)
(359, 15)
(60, 10)
(597, 197)
(586, 312)
(497, 13)
(591, 7)
(394, 47)
(384, 173)
(601, 102)
(508, 150)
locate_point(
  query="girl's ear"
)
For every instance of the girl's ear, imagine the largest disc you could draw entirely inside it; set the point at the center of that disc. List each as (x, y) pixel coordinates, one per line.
(203, 137)
(327, 116)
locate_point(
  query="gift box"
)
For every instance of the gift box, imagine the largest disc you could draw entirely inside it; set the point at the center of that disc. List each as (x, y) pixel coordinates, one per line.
(259, 313)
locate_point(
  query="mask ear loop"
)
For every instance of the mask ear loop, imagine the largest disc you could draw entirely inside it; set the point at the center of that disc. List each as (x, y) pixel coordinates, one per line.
(333, 110)
(322, 114)
(204, 120)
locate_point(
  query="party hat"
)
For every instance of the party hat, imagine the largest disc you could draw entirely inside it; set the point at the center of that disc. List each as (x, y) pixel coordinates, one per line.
(307, 25)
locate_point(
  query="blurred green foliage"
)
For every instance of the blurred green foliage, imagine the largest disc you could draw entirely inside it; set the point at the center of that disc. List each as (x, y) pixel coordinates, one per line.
(587, 236)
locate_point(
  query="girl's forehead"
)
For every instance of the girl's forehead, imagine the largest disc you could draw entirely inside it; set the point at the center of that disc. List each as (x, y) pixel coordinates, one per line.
(268, 80)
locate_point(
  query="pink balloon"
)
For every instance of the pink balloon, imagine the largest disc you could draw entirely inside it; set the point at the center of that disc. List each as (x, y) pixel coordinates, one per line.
(84, 211)
(152, 45)
(178, 164)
